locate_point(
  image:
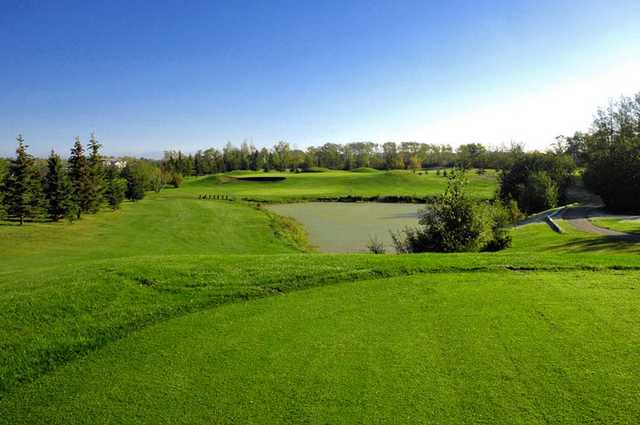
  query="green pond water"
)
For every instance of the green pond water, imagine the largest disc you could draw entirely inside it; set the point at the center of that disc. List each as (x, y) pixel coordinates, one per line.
(348, 226)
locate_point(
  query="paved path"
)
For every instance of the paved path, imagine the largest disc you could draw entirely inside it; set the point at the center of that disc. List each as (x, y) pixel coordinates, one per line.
(578, 217)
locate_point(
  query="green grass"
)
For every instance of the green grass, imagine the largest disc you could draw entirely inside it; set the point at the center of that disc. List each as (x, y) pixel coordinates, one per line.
(500, 347)
(621, 225)
(162, 224)
(186, 310)
(338, 184)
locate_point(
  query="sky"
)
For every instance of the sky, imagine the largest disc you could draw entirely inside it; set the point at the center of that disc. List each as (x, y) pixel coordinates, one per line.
(152, 76)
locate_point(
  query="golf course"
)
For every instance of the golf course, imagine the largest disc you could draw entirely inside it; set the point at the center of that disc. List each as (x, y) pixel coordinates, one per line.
(208, 303)
(320, 213)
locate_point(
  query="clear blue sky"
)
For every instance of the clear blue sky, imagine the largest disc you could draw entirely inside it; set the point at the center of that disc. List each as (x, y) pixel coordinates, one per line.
(149, 76)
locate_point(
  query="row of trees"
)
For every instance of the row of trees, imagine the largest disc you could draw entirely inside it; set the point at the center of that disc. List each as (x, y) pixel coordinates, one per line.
(610, 154)
(31, 189)
(282, 156)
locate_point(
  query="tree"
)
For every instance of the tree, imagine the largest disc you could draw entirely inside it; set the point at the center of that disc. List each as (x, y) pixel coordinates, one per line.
(539, 193)
(524, 183)
(158, 179)
(391, 158)
(22, 187)
(612, 155)
(471, 155)
(96, 185)
(134, 175)
(281, 156)
(4, 169)
(58, 190)
(115, 187)
(80, 175)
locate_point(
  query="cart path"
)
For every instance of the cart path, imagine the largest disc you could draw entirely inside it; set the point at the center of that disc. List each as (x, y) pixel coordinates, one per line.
(578, 217)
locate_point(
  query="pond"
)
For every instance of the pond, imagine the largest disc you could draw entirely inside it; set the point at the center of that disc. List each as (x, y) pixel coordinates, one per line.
(348, 226)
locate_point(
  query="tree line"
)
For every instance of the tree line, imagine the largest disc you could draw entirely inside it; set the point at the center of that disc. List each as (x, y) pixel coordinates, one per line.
(282, 157)
(32, 189)
(608, 155)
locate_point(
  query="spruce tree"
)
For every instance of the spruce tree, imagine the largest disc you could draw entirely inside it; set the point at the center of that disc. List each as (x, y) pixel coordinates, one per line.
(96, 188)
(58, 190)
(115, 187)
(4, 168)
(134, 175)
(80, 176)
(22, 187)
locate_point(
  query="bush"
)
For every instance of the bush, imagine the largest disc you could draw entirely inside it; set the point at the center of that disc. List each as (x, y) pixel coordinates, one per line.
(455, 223)
(375, 245)
(502, 217)
(176, 180)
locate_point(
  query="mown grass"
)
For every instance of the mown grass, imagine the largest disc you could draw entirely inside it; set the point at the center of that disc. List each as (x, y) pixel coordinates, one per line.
(621, 225)
(162, 224)
(110, 295)
(54, 314)
(340, 184)
(494, 347)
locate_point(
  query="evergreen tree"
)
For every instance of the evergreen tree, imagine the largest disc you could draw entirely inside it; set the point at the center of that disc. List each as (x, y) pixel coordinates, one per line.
(134, 175)
(4, 168)
(115, 187)
(58, 191)
(80, 176)
(96, 188)
(22, 187)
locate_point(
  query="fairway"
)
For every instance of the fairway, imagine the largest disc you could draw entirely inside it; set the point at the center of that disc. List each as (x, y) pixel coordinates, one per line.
(188, 310)
(162, 224)
(349, 226)
(331, 185)
(502, 347)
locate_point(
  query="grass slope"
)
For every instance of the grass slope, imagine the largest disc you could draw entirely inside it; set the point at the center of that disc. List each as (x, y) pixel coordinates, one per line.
(162, 224)
(621, 225)
(500, 347)
(337, 184)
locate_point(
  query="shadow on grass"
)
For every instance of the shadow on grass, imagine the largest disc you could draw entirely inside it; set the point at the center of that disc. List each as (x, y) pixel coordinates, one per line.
(625, 243)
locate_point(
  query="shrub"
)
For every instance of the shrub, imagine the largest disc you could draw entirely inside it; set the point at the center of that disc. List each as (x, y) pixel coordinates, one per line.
(176, 180)
(455, 223)
(502, 217)
(375, 245)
